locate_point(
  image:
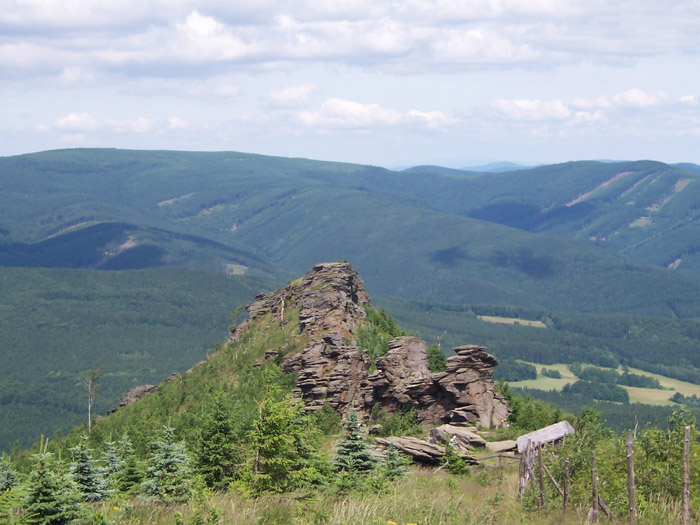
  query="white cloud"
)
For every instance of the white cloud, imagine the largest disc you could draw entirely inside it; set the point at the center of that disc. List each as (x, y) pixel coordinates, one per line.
(77, 121)
(128, 34)
(590, 117)
(639, 99)
(177, 123)
(432, 119)
(480, 46)
(133, 125)
(339, 113)
(691, 100)
(204, 38)
(74, 76)
(294, 96)
(534, 110)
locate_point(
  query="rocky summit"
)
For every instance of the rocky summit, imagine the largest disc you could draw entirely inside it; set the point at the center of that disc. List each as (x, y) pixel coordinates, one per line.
(331, 368)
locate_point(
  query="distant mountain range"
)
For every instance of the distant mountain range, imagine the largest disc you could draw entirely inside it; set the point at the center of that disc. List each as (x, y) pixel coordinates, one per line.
(527, 238)
(102, 250)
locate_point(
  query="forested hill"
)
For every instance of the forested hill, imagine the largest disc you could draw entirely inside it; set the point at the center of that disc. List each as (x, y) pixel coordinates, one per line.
(188, 237)
(241, 213)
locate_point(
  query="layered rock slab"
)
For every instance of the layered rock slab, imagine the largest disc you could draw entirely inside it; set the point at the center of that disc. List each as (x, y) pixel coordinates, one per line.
(330, 299)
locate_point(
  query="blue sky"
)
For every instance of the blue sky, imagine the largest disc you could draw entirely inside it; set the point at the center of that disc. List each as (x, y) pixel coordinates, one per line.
(391, 83)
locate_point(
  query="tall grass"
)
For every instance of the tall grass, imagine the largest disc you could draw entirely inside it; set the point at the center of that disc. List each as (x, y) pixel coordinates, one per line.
(486, 496)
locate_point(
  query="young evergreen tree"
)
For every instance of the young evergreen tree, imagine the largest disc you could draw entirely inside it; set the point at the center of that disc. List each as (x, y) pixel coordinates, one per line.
(168, 475)
(8, 478)
(219, 455)
(131, 474)
(114, 465)
(88, 477)
(394, 465)
(353, 454)
(282, 458)
(51, 497)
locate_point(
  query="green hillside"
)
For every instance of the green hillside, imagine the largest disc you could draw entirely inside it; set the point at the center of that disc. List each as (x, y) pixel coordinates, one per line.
(279, 216)
(644, 210)
(140, 325)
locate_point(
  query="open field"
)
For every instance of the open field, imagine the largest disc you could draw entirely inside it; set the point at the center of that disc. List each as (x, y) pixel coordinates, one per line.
(649, 396)
(511, 320)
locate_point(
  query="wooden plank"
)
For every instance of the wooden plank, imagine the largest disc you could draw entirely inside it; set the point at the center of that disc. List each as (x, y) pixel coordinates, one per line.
(554, 481)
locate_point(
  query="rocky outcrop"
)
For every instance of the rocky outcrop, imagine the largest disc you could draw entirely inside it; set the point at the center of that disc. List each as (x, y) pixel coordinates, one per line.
(331, 369)
(135, 394)
(421, 451)
(462, 395)
(460, 436)
(330, 297)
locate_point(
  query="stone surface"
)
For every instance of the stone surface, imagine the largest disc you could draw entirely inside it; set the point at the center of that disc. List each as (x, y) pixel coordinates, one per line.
(501, 446)
(136, 393)
(330, 296)
(421, 451)
(461, 436)
(330, 299)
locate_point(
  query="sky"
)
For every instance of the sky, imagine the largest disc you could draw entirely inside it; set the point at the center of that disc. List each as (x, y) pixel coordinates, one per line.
(391, 83)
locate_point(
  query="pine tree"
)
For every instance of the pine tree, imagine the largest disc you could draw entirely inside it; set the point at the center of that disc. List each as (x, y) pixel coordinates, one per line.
(87, 476)
(8, 478)
(168, 476)
(131, 474)
(283, 460)
(114, 465)
(394, 464)
(51, 498)
(218, 456)
(353, 454)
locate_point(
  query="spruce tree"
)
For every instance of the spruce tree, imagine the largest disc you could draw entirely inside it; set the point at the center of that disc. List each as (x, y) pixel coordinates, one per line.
(8, 478)
(283, 458)
(51, 498)
(168, 475)
(394, 465)
(114, 465)
(131, 474)
(88, 477)
(353, 454)
(218, 456)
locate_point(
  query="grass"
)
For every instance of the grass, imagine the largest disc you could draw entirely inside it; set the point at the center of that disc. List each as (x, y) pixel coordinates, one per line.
(484, 496)
(649, 396)
(511, 320)
(424, 497)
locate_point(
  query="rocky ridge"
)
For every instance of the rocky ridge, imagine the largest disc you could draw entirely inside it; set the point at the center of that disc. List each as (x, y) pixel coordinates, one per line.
(331, 368)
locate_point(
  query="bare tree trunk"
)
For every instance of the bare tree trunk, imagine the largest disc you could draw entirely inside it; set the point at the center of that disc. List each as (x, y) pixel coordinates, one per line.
(686, 476)
(595, 512)
(631, 489)
(541, 475)
(566, 485)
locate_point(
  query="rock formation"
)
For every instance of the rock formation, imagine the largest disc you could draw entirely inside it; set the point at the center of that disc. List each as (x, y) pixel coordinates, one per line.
(332, 369)
(420, 450)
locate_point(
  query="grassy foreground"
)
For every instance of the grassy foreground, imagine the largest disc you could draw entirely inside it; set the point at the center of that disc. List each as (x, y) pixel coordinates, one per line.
(489, 496)
(486, 496)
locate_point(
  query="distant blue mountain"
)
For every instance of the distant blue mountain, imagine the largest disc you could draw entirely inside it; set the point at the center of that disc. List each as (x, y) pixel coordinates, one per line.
(498, 167)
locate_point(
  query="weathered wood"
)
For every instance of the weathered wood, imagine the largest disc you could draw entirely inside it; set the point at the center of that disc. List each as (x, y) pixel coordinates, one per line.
(504, 456)
(605, 509)
(554, 481)
(595, 513)
(565, 496)
(526, 473)
(631, 490)
(541, 475)
(686, 476)
(545, 435)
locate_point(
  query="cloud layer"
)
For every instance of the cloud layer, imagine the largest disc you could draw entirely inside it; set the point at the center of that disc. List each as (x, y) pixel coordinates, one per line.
(280, 75)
